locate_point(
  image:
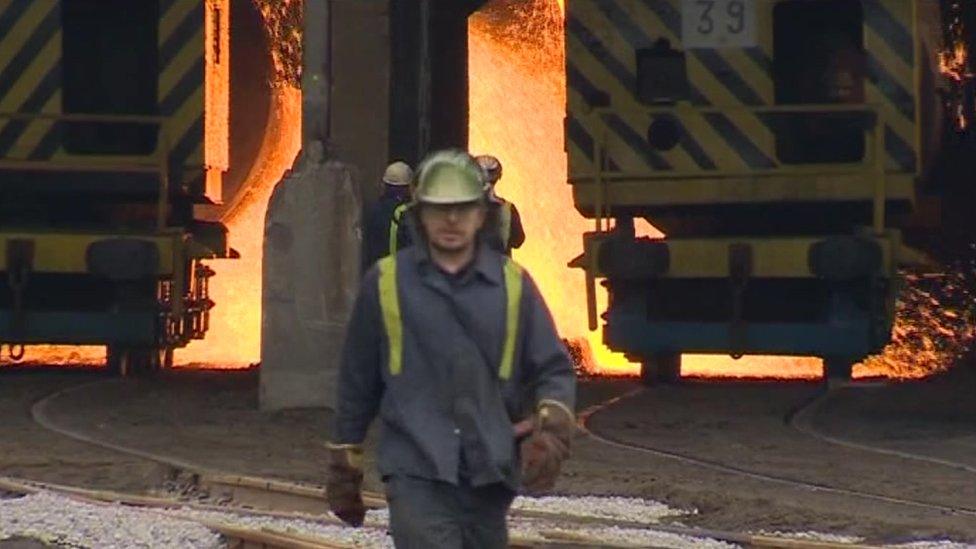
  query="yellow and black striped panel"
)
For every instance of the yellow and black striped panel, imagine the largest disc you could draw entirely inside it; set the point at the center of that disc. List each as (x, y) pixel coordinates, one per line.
(891, 43)
(30, 79)
(30, 75)
(603, 36)
(181, 81)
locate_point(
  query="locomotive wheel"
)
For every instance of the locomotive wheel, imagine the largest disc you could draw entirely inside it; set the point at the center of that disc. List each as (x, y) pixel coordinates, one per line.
(122, 360)
(838, 368)
(166, 359)
(114, 360)
(661, 368)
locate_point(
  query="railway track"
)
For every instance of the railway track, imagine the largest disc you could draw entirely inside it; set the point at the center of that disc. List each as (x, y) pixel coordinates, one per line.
(272, 498)
(802, 420)
(799, 419)
(235, 535)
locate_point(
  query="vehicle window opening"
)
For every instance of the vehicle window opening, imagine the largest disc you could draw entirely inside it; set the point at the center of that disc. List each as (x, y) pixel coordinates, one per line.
(819, 59)
(110, 65)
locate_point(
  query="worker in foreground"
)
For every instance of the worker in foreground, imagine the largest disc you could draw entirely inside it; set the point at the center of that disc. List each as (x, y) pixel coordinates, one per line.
(451, 344)
(511, 235)
(383, 232)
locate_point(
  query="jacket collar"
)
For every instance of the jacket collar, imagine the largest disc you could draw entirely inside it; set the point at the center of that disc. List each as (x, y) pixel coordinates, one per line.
(487, 263)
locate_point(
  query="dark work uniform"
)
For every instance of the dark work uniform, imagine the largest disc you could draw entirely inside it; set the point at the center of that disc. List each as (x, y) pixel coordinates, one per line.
(505, 214)
(447, 451)
(377, 221)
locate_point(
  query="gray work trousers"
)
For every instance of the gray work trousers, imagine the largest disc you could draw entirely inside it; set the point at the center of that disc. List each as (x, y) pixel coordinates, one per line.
(430, 514)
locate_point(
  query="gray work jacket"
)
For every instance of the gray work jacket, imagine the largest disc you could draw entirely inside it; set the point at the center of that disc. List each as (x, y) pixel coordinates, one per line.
(448, 400)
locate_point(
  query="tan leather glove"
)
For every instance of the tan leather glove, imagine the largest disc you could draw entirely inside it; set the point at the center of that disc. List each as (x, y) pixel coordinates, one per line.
(344, 488)
(547, 447)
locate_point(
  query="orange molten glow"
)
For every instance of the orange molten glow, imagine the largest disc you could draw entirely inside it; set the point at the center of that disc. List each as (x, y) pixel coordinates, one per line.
(954, 62)
(954, 65)
(234, 339)
(53, 355)
(518, 96)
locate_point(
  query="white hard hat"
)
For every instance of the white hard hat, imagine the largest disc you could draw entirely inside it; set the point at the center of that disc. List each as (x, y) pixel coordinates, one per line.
(491, 166)
(398, 174)
(449, 177)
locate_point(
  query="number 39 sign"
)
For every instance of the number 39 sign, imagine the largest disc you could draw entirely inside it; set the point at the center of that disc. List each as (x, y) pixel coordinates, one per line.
(718, 23)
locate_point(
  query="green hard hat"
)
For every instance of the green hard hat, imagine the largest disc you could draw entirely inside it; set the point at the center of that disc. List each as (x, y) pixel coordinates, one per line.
(449, 177)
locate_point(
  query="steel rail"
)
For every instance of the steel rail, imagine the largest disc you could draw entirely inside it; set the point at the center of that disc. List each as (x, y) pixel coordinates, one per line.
(237, 536)
(295, 500)
(802, 421)
(586, 415)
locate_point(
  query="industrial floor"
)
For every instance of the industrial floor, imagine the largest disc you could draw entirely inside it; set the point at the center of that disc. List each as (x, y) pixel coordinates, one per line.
(732, 439)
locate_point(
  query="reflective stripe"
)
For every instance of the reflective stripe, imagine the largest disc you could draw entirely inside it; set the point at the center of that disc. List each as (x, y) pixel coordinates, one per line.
(393, 322)
(390, 304)
(513, 291)
(505, 224)
(395, 225)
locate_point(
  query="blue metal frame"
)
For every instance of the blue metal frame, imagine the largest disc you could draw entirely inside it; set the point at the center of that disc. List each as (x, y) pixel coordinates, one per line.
(636, 336)
(81, 328)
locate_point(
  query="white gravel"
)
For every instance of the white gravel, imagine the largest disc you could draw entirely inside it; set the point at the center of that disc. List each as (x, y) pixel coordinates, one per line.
(59, 520)
(613, 536)
(373, 534)
(617, 508)
(56, 519)
(934, 544)
(813, 536)
(835, 538)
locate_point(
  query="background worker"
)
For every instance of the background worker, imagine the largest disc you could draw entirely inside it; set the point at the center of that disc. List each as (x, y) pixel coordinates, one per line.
(449, 342)
(511, 235)
(383, 233)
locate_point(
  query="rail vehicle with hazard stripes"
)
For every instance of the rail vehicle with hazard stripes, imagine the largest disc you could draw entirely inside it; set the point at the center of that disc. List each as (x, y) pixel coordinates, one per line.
(780, 145)
(113, 126)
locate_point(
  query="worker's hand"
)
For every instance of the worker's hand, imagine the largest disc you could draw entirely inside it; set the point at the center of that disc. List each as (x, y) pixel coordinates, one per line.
(524, 428)
(344, 488)
(545, 449)
(542, 459)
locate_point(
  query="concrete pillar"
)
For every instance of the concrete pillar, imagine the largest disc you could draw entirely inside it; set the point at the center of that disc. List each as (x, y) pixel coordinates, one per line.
(312, 234)
(368, 86)
(310, 279)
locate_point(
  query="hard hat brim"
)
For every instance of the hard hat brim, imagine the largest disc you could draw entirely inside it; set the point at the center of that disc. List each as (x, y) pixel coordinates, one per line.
(444, 201)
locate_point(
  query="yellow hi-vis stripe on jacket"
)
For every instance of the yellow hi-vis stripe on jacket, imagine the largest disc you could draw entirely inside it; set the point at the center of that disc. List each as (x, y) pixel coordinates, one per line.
(395, 225)
(393, 322)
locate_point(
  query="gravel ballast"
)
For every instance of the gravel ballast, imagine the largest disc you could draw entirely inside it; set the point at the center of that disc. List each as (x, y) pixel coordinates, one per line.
(67, 522)
(59, 520)
(615, 508)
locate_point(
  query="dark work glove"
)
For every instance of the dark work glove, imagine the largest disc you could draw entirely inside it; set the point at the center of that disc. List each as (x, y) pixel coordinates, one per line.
(547, 447)
(344, 488)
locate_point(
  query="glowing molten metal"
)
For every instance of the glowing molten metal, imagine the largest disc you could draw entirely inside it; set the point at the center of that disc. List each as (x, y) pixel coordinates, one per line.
(954, 65)
(518, 96)
(234, 339)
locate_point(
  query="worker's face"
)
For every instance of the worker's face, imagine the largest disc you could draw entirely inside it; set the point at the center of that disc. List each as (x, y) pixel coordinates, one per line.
(452, 228)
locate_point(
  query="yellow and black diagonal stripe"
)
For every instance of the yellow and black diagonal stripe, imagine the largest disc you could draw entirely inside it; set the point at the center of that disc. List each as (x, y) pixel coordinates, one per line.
(890, 46)
(30, 75)
(181, 78)
(602, 37)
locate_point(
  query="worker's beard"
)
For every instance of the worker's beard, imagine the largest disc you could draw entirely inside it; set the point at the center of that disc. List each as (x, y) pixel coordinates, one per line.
(452, 250)
(451, 256)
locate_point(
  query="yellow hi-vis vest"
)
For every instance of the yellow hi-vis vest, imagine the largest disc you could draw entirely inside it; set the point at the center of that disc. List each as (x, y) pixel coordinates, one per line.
(395, 225)
(505, 223)
(393, 322)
